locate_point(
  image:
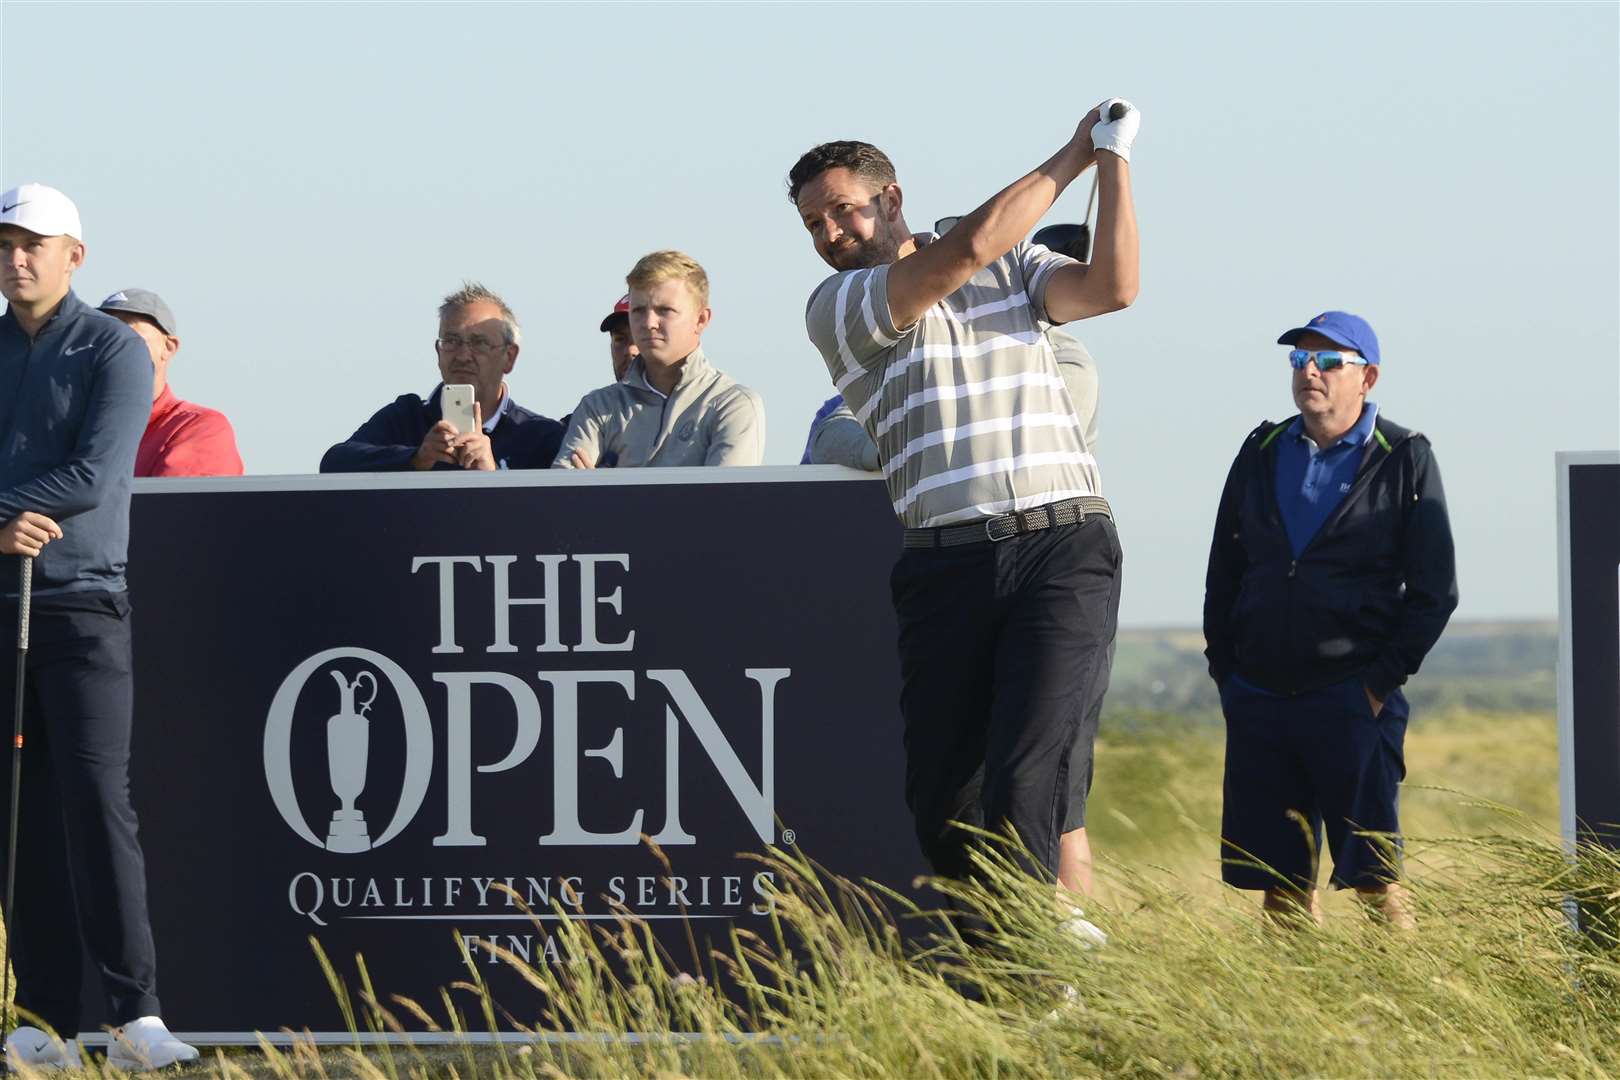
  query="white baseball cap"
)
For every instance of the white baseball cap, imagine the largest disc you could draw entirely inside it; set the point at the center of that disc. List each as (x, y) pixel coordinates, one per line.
(42, 210)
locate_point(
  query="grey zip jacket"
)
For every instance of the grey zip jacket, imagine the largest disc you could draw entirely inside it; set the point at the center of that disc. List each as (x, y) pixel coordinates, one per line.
(709, 419)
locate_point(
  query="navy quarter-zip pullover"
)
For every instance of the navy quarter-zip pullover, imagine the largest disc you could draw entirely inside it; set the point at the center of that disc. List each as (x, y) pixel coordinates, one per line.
(73, 404)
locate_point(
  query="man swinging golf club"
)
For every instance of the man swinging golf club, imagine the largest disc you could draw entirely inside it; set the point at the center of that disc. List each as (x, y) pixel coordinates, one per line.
(77, 394)
(1007, 589)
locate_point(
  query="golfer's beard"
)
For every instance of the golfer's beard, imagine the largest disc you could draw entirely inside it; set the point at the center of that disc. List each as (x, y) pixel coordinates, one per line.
(865, 254)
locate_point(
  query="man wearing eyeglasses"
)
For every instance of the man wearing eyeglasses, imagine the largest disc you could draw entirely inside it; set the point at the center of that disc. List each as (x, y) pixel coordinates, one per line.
(478, 344)
(1331, 575)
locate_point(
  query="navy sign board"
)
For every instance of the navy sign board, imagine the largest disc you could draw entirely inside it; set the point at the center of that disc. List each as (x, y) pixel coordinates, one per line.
(1589, 645)
(365, 704)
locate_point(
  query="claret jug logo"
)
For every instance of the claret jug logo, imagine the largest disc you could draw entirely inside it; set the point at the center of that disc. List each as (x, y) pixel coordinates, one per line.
(348, 746)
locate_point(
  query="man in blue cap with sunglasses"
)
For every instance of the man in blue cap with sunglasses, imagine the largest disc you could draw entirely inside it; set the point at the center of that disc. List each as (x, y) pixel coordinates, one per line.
(1331, 575)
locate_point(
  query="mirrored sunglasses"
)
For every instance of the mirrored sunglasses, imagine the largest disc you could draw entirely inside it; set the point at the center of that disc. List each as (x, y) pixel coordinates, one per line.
(1326, 359)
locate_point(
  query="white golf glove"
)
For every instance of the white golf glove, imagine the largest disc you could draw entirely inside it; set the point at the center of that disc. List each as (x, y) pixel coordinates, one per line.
(1116, 136)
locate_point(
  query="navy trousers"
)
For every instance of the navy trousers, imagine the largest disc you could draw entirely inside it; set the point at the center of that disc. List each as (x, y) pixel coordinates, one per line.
(1003, 656)
(81, 877)
(1297, 765)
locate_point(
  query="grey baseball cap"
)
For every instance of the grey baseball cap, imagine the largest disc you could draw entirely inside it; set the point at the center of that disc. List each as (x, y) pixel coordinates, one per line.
(142, 302)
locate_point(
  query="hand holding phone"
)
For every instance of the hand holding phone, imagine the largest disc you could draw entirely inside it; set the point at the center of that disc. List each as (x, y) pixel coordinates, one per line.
(474, 451)
(458, 404)
(458, 412)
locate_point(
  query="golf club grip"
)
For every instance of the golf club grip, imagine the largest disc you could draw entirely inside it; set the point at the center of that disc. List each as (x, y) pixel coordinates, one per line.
(25, 598)
(1117, 110)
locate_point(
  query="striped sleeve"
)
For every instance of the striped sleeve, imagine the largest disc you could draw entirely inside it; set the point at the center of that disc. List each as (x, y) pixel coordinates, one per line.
(1038, 263)
(849, 323)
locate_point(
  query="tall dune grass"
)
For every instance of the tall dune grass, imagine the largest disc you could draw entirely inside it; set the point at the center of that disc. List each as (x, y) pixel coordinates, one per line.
(1494, 982)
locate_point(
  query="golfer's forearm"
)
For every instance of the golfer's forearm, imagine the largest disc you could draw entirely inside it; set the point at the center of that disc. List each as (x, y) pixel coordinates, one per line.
(1114, 253)
(60, 493)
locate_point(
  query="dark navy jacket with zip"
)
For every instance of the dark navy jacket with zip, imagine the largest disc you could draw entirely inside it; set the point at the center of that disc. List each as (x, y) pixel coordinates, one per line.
(387, 442)
(73, 405)
(1367, 597)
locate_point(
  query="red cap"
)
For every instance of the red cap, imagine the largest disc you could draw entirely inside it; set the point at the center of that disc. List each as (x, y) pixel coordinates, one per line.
(621, 308)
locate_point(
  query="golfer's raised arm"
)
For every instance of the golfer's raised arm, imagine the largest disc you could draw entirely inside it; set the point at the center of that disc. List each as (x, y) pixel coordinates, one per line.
(931, 273)
(1110, 281)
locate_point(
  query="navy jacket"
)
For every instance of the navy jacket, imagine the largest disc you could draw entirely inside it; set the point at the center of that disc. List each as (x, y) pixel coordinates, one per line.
(387, 442)
(73, 405)
(1368, 596)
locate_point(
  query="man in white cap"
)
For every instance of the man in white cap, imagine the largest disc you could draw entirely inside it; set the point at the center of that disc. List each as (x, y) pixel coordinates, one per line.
(182, 438)
(77, 391)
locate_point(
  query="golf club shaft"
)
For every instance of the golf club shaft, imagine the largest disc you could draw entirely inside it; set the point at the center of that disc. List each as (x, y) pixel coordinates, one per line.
(25, 597)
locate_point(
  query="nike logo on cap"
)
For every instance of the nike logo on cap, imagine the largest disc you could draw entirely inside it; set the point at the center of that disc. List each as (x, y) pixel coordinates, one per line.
(13, 206)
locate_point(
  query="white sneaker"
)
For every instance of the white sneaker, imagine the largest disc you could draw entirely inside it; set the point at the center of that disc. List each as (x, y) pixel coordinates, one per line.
(1088, 933)
(1069, 1002)
(29, 1047)
(147, 1044)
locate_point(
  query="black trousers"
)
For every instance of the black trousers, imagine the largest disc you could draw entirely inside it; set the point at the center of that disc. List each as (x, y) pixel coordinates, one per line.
(1003, 649)
(81, 877)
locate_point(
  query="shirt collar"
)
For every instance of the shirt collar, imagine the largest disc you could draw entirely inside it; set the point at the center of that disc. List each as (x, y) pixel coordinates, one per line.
(70, 307)
(1359, 433)
(165, 401)
(500, 410)
(692, 367)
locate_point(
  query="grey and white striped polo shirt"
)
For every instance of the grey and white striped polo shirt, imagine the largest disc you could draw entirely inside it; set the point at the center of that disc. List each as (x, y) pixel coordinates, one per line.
(967, 408)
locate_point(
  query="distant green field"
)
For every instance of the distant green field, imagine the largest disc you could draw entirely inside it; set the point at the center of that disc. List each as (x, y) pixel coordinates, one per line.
(1479, 666)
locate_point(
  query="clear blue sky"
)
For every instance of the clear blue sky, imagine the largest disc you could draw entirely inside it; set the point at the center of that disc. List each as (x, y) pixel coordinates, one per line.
(303, 182)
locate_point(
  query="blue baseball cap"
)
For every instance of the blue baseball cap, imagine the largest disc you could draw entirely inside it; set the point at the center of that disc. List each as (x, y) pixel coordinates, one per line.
(1341, 328)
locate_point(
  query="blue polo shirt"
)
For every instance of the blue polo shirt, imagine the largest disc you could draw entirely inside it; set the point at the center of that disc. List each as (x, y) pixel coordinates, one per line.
(1311, 482)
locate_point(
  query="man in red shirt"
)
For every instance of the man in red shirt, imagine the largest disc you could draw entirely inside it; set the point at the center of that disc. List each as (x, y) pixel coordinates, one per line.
(621, 347)
(181, 439)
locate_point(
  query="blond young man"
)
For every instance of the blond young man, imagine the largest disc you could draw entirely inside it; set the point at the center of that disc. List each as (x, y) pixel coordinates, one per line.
(672, 407)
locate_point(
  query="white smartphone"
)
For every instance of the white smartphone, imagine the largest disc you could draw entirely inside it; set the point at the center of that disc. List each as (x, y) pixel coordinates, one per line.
(456, 405)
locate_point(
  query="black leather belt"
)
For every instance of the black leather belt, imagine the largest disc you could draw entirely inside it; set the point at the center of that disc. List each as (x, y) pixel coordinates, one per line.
(1006, 526)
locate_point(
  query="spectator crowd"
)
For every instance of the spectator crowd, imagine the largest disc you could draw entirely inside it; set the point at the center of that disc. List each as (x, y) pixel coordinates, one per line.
(667, 403)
